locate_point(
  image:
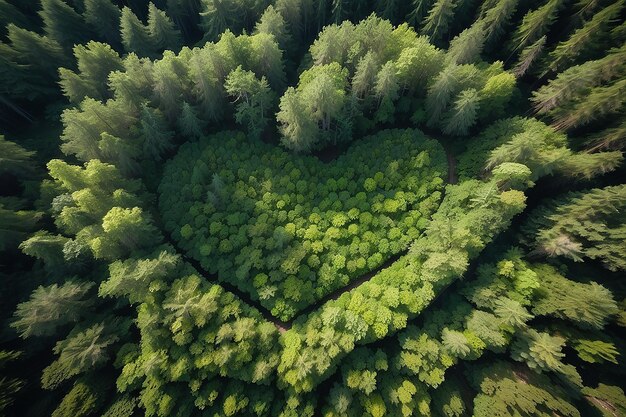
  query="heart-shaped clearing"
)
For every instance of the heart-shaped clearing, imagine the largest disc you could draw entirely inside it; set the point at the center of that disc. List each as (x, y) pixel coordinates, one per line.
(290, 229)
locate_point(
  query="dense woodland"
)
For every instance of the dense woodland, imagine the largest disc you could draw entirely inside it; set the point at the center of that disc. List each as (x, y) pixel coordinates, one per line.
(300, 208)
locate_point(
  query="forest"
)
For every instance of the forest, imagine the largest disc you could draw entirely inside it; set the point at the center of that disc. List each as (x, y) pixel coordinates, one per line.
(312, 208)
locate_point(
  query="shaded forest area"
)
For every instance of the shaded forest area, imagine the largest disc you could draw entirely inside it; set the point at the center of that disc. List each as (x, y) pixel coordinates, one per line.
(312, 208)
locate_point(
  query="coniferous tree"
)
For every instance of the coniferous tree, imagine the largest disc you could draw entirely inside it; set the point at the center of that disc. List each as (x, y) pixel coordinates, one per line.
(63, 24)
(135, 35)
(495, 15)
(463, 114)
(165, 36)
(189, 123)
(95, 62)
(528, 57)
(466, 47)
(104, 17)
(437, 23)
(592, 34)
(576, 82)
(536, 24)
(51, 307)
(253, 99)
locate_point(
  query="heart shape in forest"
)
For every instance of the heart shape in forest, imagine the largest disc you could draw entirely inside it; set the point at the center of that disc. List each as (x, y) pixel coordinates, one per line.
(289, 229)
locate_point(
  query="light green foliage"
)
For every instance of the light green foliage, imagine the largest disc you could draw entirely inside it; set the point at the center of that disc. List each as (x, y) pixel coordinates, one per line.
(532, 143)
(596, 351)
(95, 62)
(51, 307)
(504, 389)
(136, 279)
(588, 305)
(604, 395)
(462, 94)
(583, 225)
(469, 216)
(253, 100)
(466, 47)
(539, 350)
(295, 220)
(312, 116)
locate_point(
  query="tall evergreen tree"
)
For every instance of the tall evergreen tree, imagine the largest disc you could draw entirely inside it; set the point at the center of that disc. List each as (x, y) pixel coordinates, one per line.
(593, 33)
(104, 17)
(63, 24)
(135, 35)
(165, 36)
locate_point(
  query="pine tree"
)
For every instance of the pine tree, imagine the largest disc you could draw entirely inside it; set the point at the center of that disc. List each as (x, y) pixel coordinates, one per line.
(189, 123)
(539, 350)
(601, 102)
(576, 82)
(15, 160)
(217, 16)
(611, 138)
(95, 62)
(31, 64)
(495, 17)
(253, 99)
(587, 224)
(365, 76)
(154, 133)
(273, 23)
